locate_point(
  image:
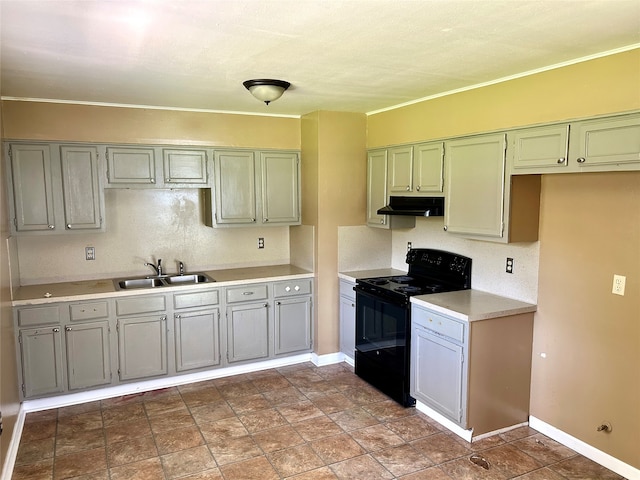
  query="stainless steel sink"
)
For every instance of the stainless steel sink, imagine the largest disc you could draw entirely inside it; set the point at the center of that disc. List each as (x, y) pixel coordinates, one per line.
(140, 283)
(164, 281)
(190, 278)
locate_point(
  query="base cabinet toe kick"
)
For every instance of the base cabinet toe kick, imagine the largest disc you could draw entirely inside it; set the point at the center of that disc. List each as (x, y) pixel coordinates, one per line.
(69, 347)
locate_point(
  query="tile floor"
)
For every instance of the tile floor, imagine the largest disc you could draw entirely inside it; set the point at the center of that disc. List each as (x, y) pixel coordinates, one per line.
(299, 422)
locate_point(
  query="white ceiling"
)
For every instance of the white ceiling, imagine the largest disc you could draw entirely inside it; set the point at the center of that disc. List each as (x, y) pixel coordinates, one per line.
(343, 55)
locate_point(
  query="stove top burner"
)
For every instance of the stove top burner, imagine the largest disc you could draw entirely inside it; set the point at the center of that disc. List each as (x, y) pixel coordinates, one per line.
(378, 281)
(401, 279)
(409, 289)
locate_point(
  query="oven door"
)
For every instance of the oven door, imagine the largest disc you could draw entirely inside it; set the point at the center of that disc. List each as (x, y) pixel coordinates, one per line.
(381, 324)
(382, 344)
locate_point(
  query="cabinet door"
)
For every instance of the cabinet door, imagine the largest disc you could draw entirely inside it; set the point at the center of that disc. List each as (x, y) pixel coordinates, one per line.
(32, 187)
(142, 346)
(185, 166)
(247, 332)
(438, 373)
(292, 325)
(604, 143)
(474, 172)
(235, 179)
(376, 187)
(197, 337)
(347, 326)
(427, 168)
(88, 358)
(400, 170)
(80, 187)
(534, 149)
(131, 165)
(280, 198)
(41, 351)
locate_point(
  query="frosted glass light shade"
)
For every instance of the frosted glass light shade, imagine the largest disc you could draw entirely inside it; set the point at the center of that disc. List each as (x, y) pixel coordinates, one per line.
(266, 90)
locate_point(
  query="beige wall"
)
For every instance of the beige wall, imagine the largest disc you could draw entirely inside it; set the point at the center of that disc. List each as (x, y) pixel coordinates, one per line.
(589, 231)
(605, 85)
(9, 401)
(334, 194)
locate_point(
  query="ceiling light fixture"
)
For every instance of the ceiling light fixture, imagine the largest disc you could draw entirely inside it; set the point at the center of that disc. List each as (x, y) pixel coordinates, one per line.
(266, 90)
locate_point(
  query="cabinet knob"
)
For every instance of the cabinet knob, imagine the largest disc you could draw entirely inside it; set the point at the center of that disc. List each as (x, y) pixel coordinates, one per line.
(68, 329)
(296, 288)
(51, 227)
(445, 228)
(382, 221)
(581, 160)
(56, 330)
(353, 304)
(562, 160)
(287, 289)
(418, 188)
(265, 305)
(68, 226)
(153, 180)
(178, 317)
(277, 303)
(408, 188)
(266, 219)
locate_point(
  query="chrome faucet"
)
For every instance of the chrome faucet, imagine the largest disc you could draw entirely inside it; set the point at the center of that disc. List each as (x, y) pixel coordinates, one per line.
(158, 269)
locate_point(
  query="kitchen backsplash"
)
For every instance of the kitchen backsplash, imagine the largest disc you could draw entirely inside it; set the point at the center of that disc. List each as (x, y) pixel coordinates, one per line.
(142, 226)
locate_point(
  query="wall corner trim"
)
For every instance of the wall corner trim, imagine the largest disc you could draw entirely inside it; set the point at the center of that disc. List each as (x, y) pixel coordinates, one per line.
(592, 453)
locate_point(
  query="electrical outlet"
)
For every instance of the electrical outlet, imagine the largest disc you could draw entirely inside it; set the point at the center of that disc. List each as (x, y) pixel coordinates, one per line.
(90, 253)
(619, 282)
(408, 246)
(260, 242)
(509, 268)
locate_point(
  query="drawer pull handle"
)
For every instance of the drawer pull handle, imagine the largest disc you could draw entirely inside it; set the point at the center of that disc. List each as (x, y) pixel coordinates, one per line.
(296, 288)
(247, 293)
(287, 289)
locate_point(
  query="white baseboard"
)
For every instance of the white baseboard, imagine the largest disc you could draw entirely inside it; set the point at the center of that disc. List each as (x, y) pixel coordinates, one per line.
(592, 453)
(327, 359)
(444, 421)
(12, 451)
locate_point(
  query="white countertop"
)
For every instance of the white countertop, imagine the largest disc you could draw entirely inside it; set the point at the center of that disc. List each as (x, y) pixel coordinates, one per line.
(380, 272)
(472, 305)
(93, 289)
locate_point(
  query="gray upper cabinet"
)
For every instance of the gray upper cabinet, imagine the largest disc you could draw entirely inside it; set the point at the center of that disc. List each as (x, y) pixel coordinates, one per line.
(376, 188)
(254, 188)
(80, 187)
(606, 144)
(54, 188)
(126, 166)
(149, 167)
(539, 148)
(416, 170)
(475, 174)
(32, 187)
(400, 173)
(235, 190)
(280, 188)
(185, 166)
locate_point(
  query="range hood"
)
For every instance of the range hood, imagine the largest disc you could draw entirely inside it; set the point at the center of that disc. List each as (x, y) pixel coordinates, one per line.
(414, 206)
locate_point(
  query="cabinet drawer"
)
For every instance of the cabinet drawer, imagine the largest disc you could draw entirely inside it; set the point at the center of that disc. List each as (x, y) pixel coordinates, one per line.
(346, 290)
(88, 311)
(440, 324)
(38, 315)
(294, 287)
(196, 299)
(247, 294)
(142, 304)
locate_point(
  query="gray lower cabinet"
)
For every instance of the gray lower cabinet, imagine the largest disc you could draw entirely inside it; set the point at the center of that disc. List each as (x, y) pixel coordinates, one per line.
(292, 316)
(347, 319)
(437, 378)
(247, 323)
(42, 361)
(88, 355)
(142, 336)
(196, 329)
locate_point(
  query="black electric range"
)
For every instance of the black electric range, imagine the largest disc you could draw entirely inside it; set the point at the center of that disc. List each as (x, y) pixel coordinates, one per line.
(383, 316)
